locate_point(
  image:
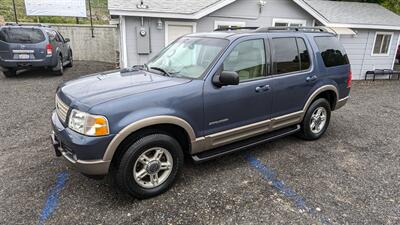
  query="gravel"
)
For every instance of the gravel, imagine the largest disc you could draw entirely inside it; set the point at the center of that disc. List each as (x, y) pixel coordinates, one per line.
(350, 176)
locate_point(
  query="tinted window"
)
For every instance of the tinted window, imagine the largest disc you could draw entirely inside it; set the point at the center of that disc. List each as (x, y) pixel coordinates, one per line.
(247, 59)
(332, 51)
(304, 55)
(21, 35)
(286, 58)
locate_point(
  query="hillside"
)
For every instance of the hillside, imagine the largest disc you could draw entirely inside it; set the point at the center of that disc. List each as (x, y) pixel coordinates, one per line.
(99, 12)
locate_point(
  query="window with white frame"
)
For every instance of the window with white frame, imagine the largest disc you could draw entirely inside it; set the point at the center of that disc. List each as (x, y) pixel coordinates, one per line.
(382, 44)
(277, 22)
(228, 24)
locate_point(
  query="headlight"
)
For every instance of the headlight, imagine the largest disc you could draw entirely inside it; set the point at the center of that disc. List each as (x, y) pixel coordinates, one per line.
(87, 124)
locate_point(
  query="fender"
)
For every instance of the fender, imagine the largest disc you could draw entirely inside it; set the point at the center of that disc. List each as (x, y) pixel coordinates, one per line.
(164, 119)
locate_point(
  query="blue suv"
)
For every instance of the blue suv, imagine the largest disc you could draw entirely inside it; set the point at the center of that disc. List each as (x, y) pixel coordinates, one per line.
(205, 95)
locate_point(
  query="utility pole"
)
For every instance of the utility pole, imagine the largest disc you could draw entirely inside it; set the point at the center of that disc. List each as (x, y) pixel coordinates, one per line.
(91, 20)
(15, 12)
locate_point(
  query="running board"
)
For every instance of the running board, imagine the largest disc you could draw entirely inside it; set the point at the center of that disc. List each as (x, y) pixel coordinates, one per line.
(237, 146)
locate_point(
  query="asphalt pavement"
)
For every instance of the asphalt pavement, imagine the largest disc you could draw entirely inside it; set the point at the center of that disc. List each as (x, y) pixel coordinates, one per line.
(350, 176)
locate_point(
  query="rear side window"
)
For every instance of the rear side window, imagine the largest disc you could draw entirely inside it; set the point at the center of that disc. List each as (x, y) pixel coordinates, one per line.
(290, 55)
(332, 51)
(21, 35)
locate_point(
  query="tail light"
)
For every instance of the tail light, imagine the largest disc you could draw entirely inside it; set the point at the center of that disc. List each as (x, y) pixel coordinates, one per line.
(49, 49)
(349, 79)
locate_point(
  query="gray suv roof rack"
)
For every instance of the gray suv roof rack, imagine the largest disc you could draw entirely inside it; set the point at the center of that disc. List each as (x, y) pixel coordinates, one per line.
(28, 24)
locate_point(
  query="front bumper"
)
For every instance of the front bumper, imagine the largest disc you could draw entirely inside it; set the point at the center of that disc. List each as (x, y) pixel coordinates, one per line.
(83, 152)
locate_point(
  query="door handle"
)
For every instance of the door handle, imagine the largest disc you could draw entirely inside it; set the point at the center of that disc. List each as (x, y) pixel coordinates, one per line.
(311, 78)
(263, 88)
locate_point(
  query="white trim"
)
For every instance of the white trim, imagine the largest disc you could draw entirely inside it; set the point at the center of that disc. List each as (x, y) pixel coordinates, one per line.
(123, 54)
(228, 23)
(310, 10)
(390, 43)
(195, 16)
(289, 21)
(167, 23)
(395, 53)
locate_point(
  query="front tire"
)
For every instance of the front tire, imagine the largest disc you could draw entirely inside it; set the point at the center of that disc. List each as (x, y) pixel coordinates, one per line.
(150, 166)
(59, 69)
(316, 120)
(71, 60)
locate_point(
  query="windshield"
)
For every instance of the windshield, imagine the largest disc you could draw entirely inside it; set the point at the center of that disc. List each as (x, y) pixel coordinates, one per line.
(21, 35)
(188, 57)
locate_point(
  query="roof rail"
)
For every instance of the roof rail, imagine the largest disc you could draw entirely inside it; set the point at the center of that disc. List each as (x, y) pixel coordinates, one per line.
(299, 29)
(236, 28)
(28, 24)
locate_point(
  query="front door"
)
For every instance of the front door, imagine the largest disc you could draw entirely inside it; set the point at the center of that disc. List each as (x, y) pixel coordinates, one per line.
(229, 109)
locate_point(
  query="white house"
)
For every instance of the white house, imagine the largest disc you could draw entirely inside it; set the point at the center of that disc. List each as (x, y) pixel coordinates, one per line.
(369, 32)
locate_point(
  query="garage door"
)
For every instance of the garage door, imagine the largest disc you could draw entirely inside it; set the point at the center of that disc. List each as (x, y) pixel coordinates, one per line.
(176, 30)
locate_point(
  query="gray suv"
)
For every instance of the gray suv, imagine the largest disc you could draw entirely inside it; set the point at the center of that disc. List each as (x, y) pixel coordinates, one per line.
(32, 46)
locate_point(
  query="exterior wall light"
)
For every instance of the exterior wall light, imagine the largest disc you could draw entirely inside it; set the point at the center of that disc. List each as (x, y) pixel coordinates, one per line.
(142, 5)
(159, 24)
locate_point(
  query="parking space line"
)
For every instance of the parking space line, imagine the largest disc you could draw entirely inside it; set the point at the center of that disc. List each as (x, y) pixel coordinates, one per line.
(270, 176)
(52, 198)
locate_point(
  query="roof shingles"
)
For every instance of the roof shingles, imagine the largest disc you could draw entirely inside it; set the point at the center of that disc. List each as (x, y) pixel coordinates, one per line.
(354, 13)
(163, 6)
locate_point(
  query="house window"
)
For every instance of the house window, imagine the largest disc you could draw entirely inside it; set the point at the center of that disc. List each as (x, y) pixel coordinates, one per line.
(175, 30)
(382, 44)
(228, 24)
(288, 23)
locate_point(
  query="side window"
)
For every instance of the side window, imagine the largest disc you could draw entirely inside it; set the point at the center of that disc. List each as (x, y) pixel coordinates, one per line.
(332, 52)
(286, 58)
(61, 37)
(56, 37)
(247, 59)
(305, 62)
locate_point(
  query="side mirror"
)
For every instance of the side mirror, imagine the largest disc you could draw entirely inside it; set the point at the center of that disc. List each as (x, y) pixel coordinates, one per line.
(67, 40)
(226, 78)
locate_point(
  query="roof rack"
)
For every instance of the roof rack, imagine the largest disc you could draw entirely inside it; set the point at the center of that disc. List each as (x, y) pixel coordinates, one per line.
(236, 28)
(28, 24)
(298, 29)
(272, 29)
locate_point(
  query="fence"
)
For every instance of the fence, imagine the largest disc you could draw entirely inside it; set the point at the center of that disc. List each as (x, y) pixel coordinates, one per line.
(103, 47)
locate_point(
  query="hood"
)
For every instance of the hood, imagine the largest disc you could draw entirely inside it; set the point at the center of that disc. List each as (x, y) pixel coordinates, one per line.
(98, 88)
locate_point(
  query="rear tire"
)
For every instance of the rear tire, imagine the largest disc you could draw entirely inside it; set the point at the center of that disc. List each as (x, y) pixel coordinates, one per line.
(59, 69)
(10, 73)
(150, 166)
(316, 120)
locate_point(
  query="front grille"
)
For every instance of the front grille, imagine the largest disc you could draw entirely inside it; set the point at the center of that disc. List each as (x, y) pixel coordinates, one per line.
(61, 109)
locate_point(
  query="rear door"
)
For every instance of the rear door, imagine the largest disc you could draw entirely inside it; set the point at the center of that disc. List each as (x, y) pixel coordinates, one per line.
(293, 72)
(22, 43)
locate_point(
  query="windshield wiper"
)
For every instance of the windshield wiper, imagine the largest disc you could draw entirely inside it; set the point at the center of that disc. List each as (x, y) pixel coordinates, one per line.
(161, 70)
